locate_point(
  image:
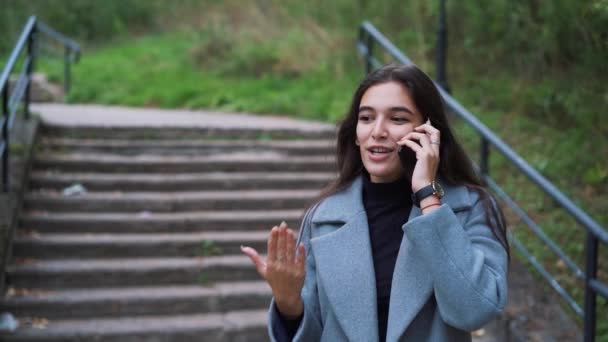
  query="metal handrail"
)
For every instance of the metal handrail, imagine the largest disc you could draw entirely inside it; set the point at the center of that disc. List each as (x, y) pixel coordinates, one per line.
(21, 90)
(368, 36)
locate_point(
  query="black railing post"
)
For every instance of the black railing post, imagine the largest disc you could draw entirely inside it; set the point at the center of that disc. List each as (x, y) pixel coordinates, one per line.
(369, 44)
(590, 297)
(484, 156)
(31, 53)
(5, 171)
(67, 80)
(442, 46)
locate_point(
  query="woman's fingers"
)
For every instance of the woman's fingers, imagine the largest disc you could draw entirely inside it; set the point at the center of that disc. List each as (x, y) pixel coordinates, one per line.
(427, 127)
(424, 141)
(301, 258)
(411, 145)
(281, 244)
(290, 248)
(286, 273)
(411, 138)
(422, 138)
(260, 265)
(433, 133)
(272, 244)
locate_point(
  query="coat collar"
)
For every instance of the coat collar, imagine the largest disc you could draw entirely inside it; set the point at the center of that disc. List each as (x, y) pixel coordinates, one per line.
(349, 277)
(342, 205)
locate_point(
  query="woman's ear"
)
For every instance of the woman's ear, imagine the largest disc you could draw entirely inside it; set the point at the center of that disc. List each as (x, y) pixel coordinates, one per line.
(357, 142)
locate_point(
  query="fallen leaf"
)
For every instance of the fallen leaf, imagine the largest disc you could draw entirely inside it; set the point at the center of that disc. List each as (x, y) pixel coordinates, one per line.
(24, 261)
(40, 323)
(478, 333)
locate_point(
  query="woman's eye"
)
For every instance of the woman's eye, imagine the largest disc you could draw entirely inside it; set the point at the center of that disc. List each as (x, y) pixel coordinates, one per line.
(364, 118)
(400, 119)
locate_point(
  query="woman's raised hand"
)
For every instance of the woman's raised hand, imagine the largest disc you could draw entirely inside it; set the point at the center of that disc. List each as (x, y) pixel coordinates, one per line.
(283, 269)
(424, 141)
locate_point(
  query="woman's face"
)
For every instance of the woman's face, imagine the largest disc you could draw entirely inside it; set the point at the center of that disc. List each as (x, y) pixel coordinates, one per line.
(386, 114)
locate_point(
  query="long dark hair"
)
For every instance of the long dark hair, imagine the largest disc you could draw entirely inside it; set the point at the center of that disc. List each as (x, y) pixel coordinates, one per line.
(455, 167)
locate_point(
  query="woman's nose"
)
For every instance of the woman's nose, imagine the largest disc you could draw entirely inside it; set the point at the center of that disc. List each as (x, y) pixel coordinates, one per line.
(379, 131)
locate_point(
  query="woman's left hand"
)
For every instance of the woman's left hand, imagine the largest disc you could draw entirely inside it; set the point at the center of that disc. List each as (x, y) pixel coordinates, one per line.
(424, 141)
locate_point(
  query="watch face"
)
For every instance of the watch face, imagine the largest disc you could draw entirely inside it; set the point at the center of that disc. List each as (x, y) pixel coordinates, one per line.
(438, 190)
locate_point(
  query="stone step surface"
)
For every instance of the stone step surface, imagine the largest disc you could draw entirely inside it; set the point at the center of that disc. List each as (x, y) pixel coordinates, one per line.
(188, 147)
(112, 120)
(152, 222)
(117, 201)
(150, 251)
(233, 326)
(228, 162)
(138, 301)
(153, 133)
(98, 181)
(79, 273)
(32, 244)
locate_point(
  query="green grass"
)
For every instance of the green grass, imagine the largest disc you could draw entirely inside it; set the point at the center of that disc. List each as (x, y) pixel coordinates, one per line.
(167, 71)
(209, 248)
(304, 66)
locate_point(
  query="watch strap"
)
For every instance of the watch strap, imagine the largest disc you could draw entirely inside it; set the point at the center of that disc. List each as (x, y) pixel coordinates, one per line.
(421, 194)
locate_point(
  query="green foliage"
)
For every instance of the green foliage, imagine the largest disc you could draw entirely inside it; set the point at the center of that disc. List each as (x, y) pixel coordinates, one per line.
(209, 248)
(175, 76)
(85, 20)
(203, 279)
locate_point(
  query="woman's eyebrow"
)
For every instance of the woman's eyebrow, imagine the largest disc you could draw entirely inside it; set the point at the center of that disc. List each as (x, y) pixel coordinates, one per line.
(391, 109)
(401, 109)
(364, 108)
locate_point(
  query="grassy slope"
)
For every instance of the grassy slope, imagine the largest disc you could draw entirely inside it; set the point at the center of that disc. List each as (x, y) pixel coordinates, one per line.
(299, 67)
(165, 71)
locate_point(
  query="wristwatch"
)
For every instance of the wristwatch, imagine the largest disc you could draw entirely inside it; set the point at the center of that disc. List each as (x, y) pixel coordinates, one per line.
(432, 189)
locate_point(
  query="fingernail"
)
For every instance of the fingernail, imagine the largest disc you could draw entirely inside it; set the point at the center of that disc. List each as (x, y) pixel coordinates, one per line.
(243, 248)
(283, 224)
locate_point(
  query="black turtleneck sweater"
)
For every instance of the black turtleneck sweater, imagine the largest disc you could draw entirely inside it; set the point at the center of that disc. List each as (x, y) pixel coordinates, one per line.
(387, 206)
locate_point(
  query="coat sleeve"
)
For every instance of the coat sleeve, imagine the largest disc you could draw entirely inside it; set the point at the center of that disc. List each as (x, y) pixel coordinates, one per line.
(310, 327)
(468, 264)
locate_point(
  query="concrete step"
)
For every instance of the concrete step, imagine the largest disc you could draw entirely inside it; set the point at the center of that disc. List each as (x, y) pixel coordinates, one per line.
(151, 222)
(187, 147)
(137, 301)
(76, 273)
(229, 162)
(159, 133)
(234, 326)
(179, 182)
(118, 201)
(32, 244)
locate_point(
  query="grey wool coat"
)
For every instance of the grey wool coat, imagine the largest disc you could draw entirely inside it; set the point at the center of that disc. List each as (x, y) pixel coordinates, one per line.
(449, 277)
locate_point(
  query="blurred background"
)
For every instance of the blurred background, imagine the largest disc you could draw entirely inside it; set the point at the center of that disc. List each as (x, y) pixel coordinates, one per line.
(534, 71)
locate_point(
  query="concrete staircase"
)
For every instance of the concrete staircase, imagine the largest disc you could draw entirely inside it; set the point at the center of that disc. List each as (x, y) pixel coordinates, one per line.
(150, 252)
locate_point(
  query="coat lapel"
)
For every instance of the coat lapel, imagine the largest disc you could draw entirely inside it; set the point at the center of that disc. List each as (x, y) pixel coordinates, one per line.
(347, 274)
(412, 283)
(411, 287)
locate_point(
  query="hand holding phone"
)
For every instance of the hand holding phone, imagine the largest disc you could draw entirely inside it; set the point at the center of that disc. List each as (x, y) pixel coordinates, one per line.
(419, 154)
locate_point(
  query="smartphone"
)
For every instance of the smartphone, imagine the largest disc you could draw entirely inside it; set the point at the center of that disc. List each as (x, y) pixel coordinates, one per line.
(407, 157)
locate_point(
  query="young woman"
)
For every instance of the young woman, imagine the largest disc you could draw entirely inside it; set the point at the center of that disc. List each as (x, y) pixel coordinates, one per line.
(405, 245)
